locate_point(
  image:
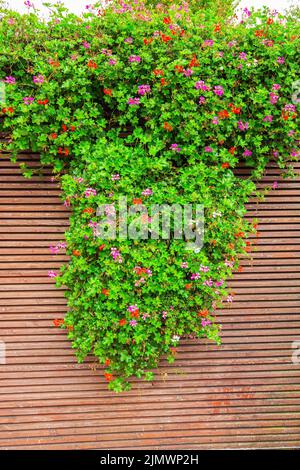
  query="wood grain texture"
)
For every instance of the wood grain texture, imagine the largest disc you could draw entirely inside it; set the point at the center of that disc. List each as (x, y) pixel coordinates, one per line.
(244, 394)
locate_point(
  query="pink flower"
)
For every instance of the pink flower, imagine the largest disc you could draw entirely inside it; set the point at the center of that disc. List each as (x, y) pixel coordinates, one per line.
(202, 100)
(205, 322)
(243, 56)
(164, 315)
(208, 149)
(143, 89)
(115, 177)
(281, 60)
(86, 45)
(128, 40)
(290, 108)
(10, 80)
(200, 85)
(175, 148)
(132, 308)
(133, 101)
(218, 90)
(243, 126)
(273, 98)
(229, 298)
(247, 153)
(147, 192)
(187, 72)
(28, 100)
(184, 265)
(38, 79)
(275, 185)
(133, 323)
(204, 269)
(276, 87)
(135, 58)
(268, 118)
(90, 192)
(195, 276)
(115, 253)
(52, 274)
(215, 120)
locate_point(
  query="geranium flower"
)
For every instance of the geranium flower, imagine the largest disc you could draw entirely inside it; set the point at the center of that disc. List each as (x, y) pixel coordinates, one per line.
(133, 322)
(268, 118)
(247, 153)
(175, 148)
(90, 192)
(133, 101)
(134, 58)
(38, 79)
(115, 177)
(273, 98)
(143, 89)
(281, 60)
(10, 80)
(147, 192)
(202, 100)
(52, 273)
(218, 90)
(28, 100)
(243, 126)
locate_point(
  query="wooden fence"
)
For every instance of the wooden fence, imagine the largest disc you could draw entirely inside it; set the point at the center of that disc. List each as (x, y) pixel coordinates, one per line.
(244, 394)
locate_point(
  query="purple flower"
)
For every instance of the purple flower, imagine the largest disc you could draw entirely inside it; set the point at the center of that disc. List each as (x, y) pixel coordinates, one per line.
(86, 45)
(208, 149)
(247, 12)
(175, 148)
(243, 55)
(268, 118)
(112, 61)
(135, 58)
(28, 4)
(10, 80)
(281, 60)
(90, 192)
(133, 101)
(128, 40)
(218, 90)
(38, 79)
(28, 100)
(247, 153)
(202, 100)
(143, 89)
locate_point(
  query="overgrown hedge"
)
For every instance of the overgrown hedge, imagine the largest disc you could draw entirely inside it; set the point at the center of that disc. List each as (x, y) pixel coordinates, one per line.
(158, 104)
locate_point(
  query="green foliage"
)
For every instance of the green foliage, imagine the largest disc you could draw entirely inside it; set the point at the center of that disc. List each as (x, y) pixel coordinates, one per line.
(158, 104)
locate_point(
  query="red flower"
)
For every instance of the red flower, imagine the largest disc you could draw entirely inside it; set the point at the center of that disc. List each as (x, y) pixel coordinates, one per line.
(179, 68)
(8, 110)
(270, 21)
(76, 253)
(194, 62)
(158, 72)
(162, 81)
(147, 41)
(58, 322)
(43, 102)
(91, 64)
(105, 292)
(239, 235)
(223, 114)
(72, 128)
(167, 20)
(108, 91)
(137, 201)
(64, 151)
(168, 127)
(89, 210)
(217, 28)
(225, 165)
(108, 377)
(165, 38)
(54, 136)
(101, 247)
(107, 362)
(122, 322)
(203, 313)
(188, 286)
(232, 150)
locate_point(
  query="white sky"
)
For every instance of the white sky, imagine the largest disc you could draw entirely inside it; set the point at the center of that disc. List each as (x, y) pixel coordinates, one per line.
(78, 6)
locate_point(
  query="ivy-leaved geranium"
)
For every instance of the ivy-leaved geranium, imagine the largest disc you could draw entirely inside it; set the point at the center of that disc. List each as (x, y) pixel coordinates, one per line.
(158, 105)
